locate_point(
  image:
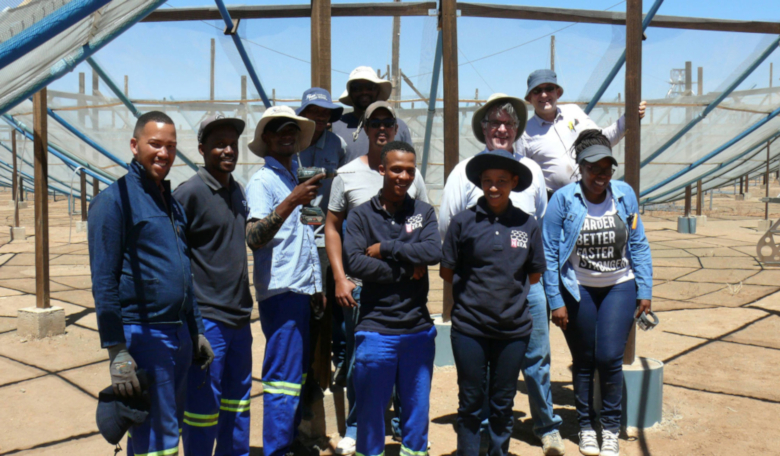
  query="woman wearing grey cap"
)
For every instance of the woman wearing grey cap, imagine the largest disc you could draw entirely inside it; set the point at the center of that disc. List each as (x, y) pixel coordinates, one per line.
(599, 277)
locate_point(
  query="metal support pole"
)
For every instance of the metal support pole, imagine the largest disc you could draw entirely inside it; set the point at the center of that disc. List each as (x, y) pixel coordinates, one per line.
(699, 198)
(40, 147)
(633, 87)
(449, 26)
(432, 104)
(83, 178)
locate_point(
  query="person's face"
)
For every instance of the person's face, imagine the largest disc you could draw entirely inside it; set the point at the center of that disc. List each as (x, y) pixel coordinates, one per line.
(282, 142)
(320, 116)
(220, 150)
(381, 128)
(499, 130)
(363, 93)
(544, 98)
(398, 169)
(155, 149)
(497, 184)
(596, 176)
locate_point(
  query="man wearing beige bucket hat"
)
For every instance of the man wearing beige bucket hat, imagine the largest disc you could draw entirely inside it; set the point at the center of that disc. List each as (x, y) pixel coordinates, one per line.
(286, 270)
(497, 124)
(363, 88)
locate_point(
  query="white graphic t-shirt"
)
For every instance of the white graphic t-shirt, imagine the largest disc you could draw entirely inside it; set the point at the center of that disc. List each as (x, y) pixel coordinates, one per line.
(599, 257)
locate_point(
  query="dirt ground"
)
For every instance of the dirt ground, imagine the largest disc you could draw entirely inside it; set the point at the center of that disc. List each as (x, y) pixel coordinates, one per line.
(718, 338)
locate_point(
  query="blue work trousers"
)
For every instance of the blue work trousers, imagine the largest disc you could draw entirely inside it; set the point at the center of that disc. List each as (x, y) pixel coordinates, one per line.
(165, 353)
(218, 397)
(536, 365)
(498, 361)
(285, 322)
(597, 333)
(382, 361)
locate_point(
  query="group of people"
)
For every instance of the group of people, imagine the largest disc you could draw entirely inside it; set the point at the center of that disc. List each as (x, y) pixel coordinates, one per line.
(529, 230)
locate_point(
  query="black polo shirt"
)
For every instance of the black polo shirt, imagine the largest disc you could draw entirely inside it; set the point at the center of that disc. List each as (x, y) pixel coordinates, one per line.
(216, 233)
(492, 257)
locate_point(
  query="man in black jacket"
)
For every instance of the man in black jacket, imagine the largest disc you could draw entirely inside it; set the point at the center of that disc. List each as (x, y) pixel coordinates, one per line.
(390, 242)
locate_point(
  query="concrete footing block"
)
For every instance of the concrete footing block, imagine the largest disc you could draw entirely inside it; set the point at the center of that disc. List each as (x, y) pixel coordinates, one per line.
(701, 220)
(22, 204)
(686, 225)
(35, 323)
(764, 225)
(18, 234)
(81, 227)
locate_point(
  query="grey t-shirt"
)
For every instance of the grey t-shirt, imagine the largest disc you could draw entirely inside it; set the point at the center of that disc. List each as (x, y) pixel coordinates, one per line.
(216, 234)
(347, 125)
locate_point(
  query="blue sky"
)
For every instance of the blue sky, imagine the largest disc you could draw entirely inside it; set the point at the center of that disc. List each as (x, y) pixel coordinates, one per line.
(171, 60)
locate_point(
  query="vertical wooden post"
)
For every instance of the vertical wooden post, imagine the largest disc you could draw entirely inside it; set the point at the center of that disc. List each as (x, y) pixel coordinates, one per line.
(552, 53)
(688, 198)
(95, 92)
(747, 183)
(20, 188)
(244, 117)
(449, 26)
(700, 82)
(127, 86)
(95, 187)
(15, 184)
(41, 145)
(766, 182)
(82, 102)
(741, 186)
(633, 123)
(83, 178)
(320, 44)
(688, 78)
(699, 198)
(211, 77)
(394, 69)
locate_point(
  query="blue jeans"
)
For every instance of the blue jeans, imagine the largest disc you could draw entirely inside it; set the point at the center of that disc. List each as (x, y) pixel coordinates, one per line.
(536, 365)
(596, 334)
(499, 361)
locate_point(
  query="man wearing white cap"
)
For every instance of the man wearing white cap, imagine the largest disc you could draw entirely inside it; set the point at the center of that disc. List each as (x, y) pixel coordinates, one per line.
(363, 88)
(497, 124)
(549, 136)
(286, 269)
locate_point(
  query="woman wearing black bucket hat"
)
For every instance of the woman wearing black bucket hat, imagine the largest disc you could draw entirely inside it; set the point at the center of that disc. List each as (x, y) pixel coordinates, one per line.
(492, 253)
(599, 276)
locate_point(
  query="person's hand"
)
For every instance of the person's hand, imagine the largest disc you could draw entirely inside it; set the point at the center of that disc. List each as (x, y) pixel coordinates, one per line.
(419, 271)
(304, 192)
(318, 302)
(344, 289)
(560, 317)
(642, 305)
(373, 251)
(122, 367)
(642, 109)
(201, 351)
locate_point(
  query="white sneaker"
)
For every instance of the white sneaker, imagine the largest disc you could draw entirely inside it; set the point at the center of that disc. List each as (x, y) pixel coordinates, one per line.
(609, 444)
(552, 444)
(589, 444)
(346, 446)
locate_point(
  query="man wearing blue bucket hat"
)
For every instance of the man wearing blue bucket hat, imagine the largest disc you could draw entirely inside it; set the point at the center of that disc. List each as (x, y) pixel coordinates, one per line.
(550, 133)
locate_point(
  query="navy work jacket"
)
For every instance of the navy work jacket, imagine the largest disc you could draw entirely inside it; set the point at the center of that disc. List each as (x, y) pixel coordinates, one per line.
(139, 258)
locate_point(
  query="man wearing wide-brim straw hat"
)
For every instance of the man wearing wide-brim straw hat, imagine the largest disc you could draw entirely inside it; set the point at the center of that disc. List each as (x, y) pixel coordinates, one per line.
(363, 88)
(498, 123)
(286, 269)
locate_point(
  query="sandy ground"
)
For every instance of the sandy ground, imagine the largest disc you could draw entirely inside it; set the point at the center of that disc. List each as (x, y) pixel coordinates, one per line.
(719, 308)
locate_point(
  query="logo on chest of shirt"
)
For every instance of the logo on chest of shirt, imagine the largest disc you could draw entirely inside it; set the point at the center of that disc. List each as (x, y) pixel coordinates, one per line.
(414, 222)
(519, 239)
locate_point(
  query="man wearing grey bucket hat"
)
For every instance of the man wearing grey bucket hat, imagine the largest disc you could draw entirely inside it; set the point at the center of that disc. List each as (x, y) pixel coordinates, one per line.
(497, 124)
(363, 88)
(286, 269)
(551, 132)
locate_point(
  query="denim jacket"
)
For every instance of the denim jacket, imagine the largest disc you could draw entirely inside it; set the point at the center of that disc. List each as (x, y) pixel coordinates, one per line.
(561, 227)
(139, 258)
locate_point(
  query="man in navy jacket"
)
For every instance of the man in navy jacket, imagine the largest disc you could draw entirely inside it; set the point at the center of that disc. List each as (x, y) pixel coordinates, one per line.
(142, 285)
(390, 242)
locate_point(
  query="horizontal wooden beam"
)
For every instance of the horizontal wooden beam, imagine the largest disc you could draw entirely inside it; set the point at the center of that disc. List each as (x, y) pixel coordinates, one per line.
(290, 11)
(613, 18)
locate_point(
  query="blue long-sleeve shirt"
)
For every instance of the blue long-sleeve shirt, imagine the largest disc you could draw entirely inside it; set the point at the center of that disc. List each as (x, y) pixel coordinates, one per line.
(139, 258)
(391, 302)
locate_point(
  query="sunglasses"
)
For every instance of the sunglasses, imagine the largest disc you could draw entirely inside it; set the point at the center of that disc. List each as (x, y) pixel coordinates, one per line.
(376, 123)
(495, 124)
(546, 89)
(361, 86)
(598, 170)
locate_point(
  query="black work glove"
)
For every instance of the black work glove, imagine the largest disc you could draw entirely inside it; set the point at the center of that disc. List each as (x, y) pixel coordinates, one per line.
(201, 351)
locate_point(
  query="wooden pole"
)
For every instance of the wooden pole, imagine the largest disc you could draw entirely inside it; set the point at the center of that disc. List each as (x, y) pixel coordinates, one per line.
(552, 53)
(688, 78)
(699, 198)
(127, 86)
(700, 82)
(83, 178)
(449, 26)
(211, 75)
(766, 182)
(320, 44)
(688, 197)
(95, 187)
(395, 71)
(741, 186)
(633, 126)
(95, 92)
(41, 145)
(14, 179)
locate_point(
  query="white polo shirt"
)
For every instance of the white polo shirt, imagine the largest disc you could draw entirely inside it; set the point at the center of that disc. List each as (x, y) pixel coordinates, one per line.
(550, 144)
(460, 194)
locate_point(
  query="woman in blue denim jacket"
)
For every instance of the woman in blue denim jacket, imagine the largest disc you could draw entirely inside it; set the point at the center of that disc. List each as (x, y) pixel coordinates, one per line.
(599, 277)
